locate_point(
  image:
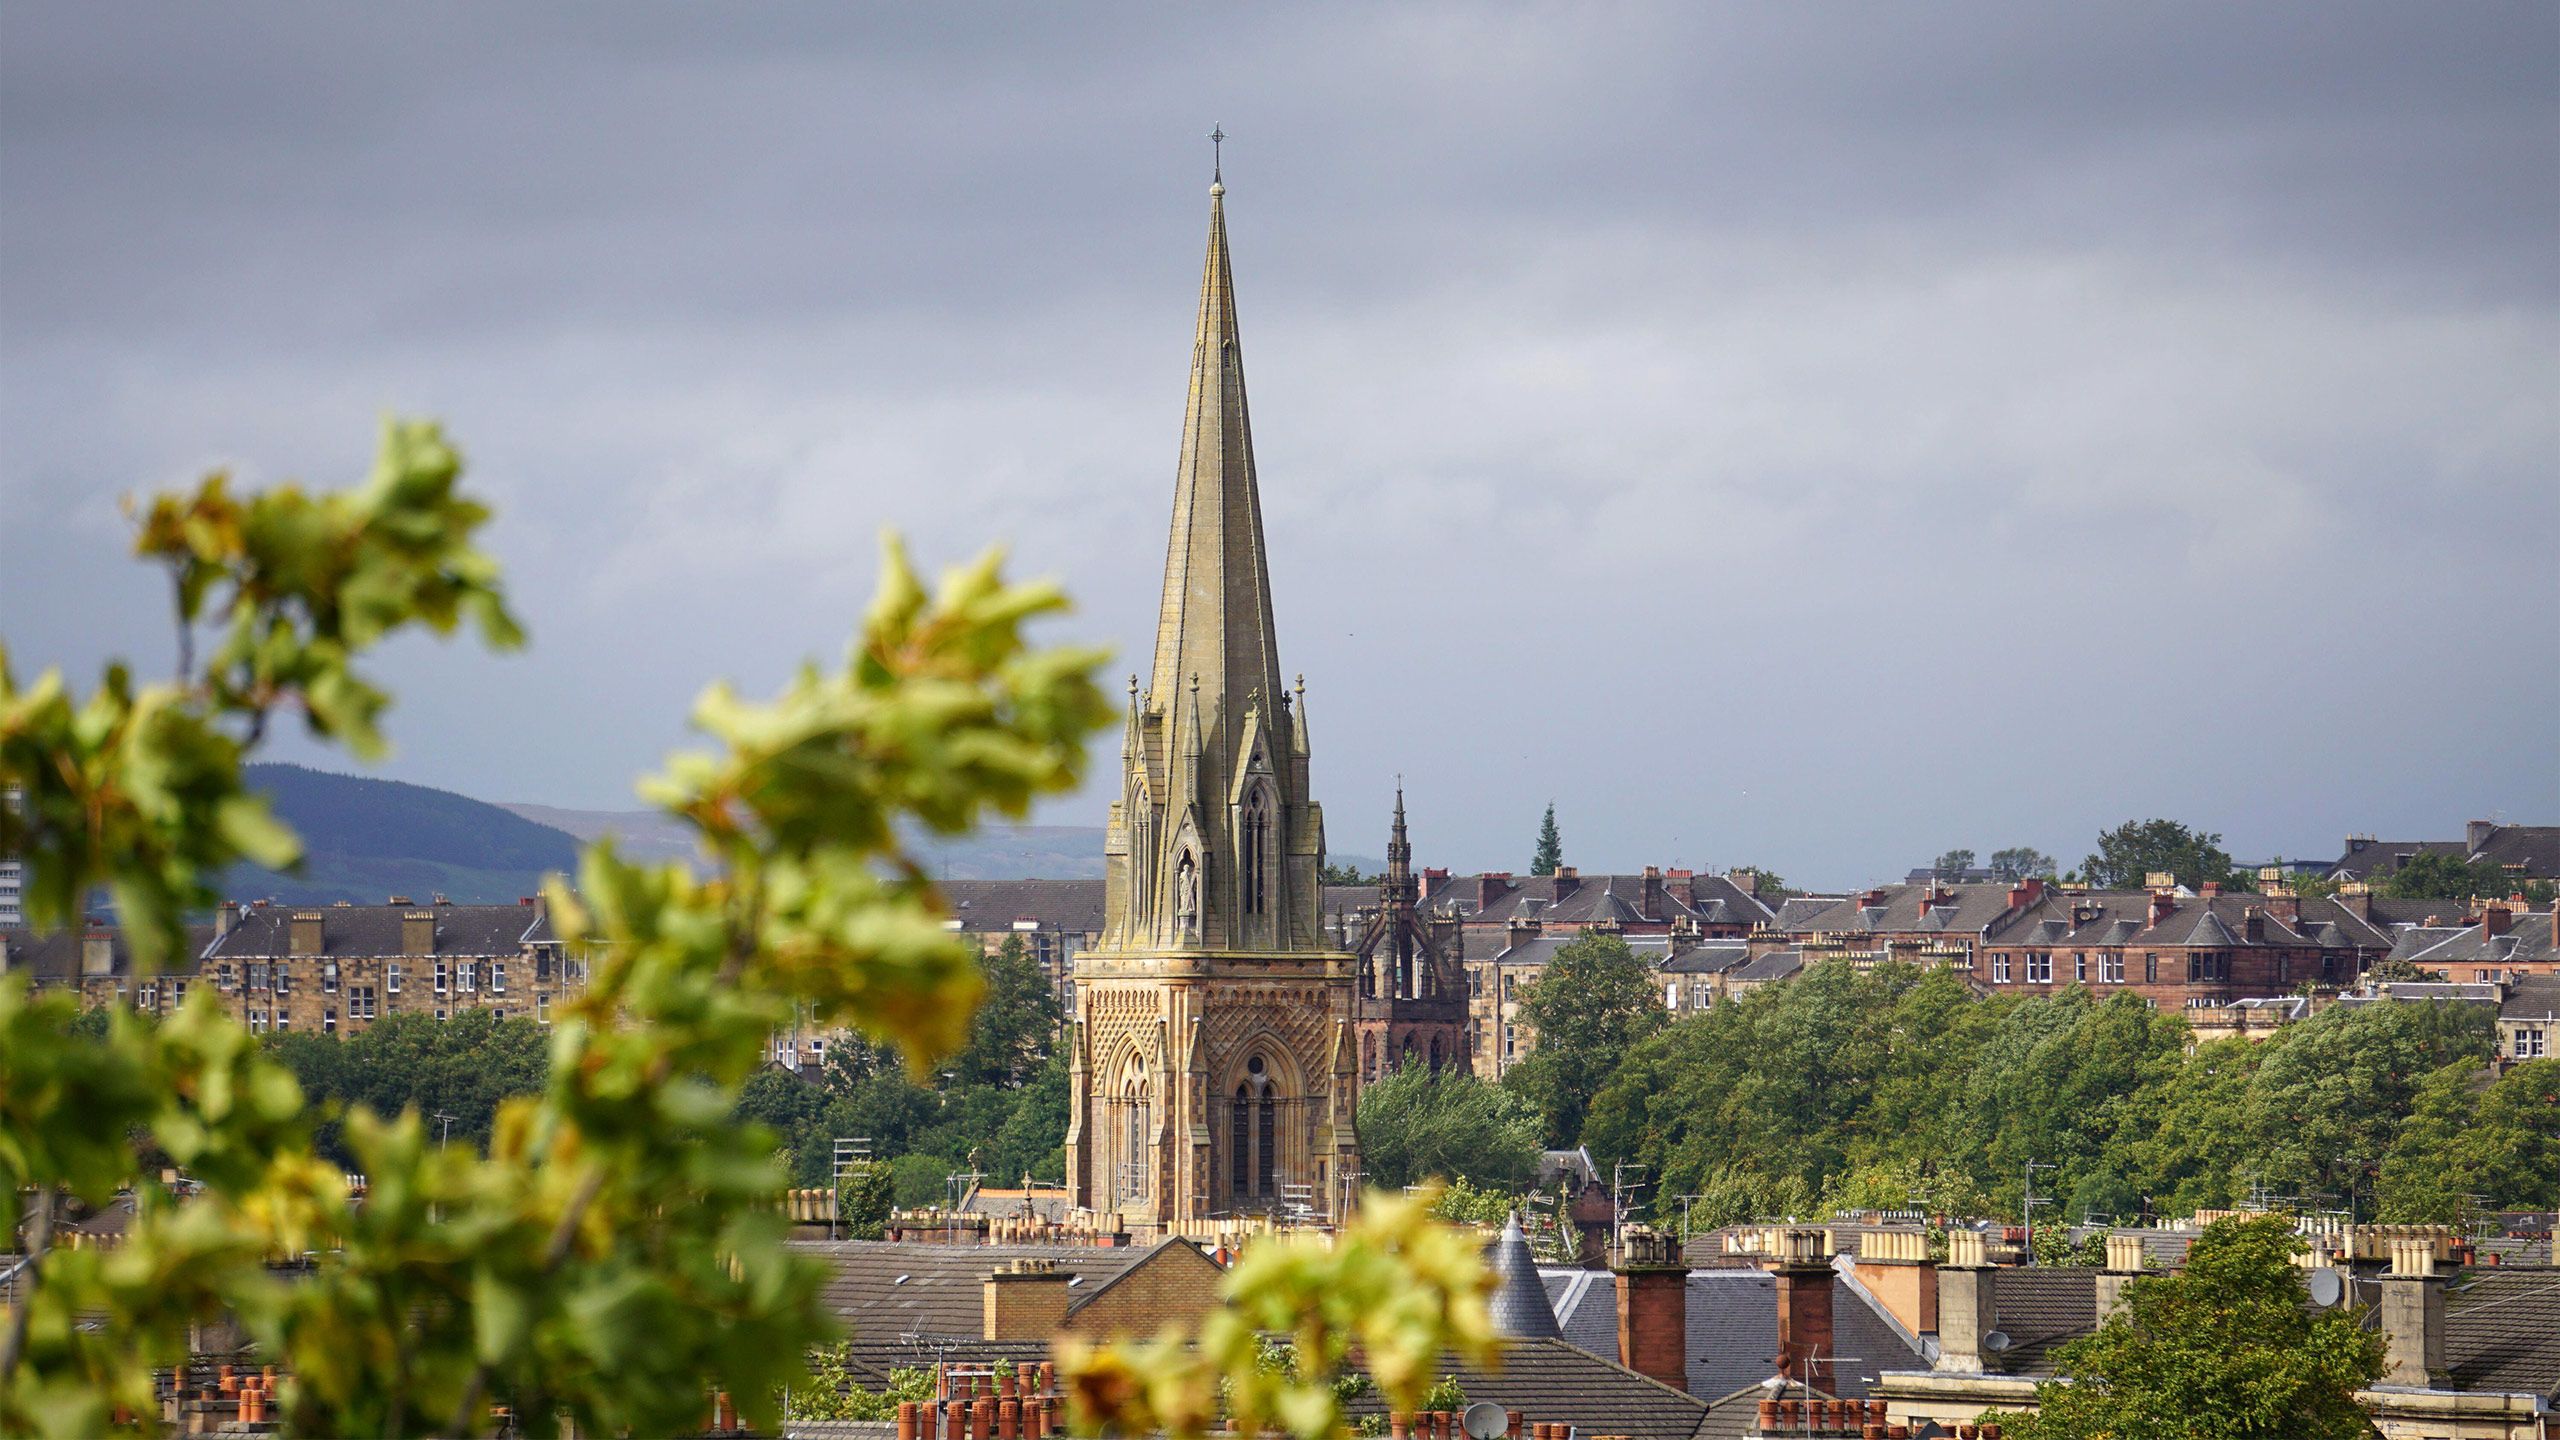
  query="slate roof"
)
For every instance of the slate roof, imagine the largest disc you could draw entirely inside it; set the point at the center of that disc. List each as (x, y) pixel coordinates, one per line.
(2528, 941)
(2531, 852)
(2502, 1329)
(54, 959)
(2532, 997)
(2123, 917)
(2039, 1307)
(885, 1290)
(266, 931)
(1592, 899)
(1712, 958)
(981, 906)
(1776, 965)
(1906, 909)
(1733, 1327)
(1518, 1306)
(1553, 1382)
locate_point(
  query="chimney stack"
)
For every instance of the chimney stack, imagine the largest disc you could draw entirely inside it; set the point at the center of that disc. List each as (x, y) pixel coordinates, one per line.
(2162, 907)
(2124, 1262)
(306, 932)
(2476, 834)
(1653, 1305)
(1803, 1269)
(2493, 918)
(225, 917)
(2253, 925)
(1433, 881)
(2026, 892)
(1026, 1300)
(1568, 879)
(1968, 1302)
(2210, 889)
(1491, 887)
(2413, 1314)
(1895, 1267)
(1652, 908)
(418, 932)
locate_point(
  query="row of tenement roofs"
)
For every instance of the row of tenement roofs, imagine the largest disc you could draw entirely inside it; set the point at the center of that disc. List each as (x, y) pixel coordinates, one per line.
(2231, 963)
(1897, 1320)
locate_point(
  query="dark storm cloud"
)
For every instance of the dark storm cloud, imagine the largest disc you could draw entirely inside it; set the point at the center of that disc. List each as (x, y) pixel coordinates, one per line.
(1815, 436)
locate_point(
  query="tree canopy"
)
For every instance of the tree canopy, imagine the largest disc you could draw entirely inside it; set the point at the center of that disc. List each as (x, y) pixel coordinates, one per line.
(2132, 852)
(2224, 1349)
(2437, 875)
(1839, 1089)
(1595, 999)
(2019, 862)
(1422, 1124)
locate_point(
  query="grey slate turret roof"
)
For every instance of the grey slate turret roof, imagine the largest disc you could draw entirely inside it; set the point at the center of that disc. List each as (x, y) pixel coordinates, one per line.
(1519, 1308)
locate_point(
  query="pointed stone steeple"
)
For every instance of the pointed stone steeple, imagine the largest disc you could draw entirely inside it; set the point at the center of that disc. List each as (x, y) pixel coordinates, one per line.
(1213, 957)
(1215, 619)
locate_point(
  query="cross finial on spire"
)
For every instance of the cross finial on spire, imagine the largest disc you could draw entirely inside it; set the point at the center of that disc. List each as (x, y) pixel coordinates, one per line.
(1217, 154)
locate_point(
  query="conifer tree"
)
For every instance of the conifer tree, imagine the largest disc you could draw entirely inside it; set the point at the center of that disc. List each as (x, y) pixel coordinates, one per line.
(1550, 845)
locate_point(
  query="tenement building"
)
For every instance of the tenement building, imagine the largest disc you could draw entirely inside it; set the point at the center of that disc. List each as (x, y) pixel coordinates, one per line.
(325, 969)
(1212, 1056)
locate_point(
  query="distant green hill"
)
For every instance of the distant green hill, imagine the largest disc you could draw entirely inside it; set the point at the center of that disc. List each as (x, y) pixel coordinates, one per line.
(368, 840)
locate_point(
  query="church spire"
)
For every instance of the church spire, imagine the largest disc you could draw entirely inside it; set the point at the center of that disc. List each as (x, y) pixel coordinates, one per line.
(1215, 619)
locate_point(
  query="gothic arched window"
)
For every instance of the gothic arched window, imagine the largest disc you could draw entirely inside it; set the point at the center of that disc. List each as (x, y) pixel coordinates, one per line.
(1253, 1136)
(1133, 1171)
(1257, 851)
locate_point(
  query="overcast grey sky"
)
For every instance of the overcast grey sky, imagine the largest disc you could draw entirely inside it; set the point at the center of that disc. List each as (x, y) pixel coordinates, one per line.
(1812, 436)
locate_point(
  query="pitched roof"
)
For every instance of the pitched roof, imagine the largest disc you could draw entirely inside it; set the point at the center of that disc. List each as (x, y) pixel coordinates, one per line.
(2124, 917)
(1551, 1381)
(54, 958)
(1593, 899)
(1709, 959)
(886, 1290)
(1074, 906)
(1904, 909)
(1732, 1327)
(365, 931)
(2502, 1329)
(2039, 1307)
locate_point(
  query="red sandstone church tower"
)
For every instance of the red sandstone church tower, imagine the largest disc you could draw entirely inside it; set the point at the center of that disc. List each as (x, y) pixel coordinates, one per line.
(1212, 1054)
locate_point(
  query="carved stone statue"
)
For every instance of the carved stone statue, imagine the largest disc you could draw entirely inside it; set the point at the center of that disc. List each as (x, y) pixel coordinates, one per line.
(1186, 898)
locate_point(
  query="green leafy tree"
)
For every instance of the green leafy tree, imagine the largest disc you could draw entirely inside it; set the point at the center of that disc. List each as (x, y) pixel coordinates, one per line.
(1770, 886)
(1953, 862)
(1421, 1124)
(2437, 875)
(2020, 861)
(1464, 1204)
(1595, 1000)
(463, 1068)
(2472, 1141)
(2222, 1350)
(863, 1197)
(2137, 849)
(1016, 1025)
(616, 1250)
(1346, 874)
(2332, 1093)
(1550, 853)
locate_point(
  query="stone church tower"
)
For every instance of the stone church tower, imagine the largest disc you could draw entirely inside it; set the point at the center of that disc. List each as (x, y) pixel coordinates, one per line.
(1212, 1055)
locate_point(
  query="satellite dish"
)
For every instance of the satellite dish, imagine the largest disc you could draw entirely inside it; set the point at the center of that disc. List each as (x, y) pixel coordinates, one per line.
(2326, 1288)
(1484, 1420)
(1997, 1342)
